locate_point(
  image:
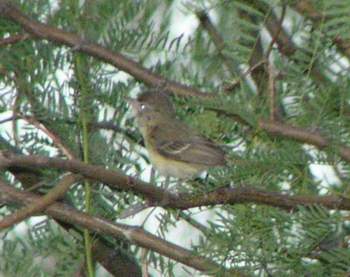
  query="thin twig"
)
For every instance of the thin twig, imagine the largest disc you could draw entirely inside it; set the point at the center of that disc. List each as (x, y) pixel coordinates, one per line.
(304, 136)
(10, 118)
(233, 85)
(144, 253)
(163, 198)
(56, 139)
(270, 69)
(14, 39)
(277, 32)
(57, 192)
(307, 9)
(134, 234)
(272, 93)
(235, 116)
(122, 62)
(216, 38)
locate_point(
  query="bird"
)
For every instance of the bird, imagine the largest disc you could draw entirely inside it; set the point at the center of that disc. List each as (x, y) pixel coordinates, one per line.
(175, 149)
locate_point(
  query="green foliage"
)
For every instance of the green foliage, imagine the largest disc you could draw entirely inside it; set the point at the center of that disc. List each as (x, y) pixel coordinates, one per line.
(32, 253)
(47, 81)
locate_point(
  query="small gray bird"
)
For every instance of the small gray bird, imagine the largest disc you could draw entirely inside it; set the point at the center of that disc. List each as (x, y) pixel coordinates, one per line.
(174, 148)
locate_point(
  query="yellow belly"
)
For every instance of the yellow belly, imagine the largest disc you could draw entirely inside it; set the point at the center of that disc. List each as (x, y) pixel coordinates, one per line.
(167, 167)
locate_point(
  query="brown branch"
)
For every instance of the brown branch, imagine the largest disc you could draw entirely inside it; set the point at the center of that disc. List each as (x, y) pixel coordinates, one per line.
(257, 59)
(306, 8)
(271, 87)
(216, 38)
(57, 192)
(116, 179)
(248, 194)
(51, 134)
(284, 42)
(44, 31)
(253, 67)
(209, 27)
(284, 130)
(277, 32)
(301, 135)
(161, 197)
(234, 116)
(115, 261)
(14, 39)
(287, 47)
(274, 115)
(15, 110)
(133, 234)
(220, 44)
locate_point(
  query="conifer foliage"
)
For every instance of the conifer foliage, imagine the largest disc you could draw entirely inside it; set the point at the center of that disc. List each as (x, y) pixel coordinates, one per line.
(267, 80)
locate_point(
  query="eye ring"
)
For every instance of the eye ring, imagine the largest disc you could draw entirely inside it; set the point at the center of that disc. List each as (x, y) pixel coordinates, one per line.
(142, 107)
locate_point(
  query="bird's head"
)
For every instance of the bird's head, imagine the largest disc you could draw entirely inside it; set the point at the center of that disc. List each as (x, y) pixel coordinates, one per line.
(151, 107)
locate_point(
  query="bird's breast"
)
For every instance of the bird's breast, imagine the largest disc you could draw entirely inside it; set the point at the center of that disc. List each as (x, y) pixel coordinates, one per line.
(178, 169)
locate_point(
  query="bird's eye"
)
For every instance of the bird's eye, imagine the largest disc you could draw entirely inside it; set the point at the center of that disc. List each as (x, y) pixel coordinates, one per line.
(142, 107)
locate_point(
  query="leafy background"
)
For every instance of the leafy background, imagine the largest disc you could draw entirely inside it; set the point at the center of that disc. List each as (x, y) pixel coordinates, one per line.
(62, 88)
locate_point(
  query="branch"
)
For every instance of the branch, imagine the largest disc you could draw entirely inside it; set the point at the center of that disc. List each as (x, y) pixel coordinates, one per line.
(131, 233)
(114, 260)
(220, 44)
(251, 69)
(161, 197)
(272, 97)
(287, 47)
(287, 131)
(107, 125)
(271, 87)
(277, 32)
(217, 40)
(57, 192)
(51, 134)
(44, 31)
(284, 130)
(14, 39)
(284, 42)
(305, 7)
(249, 194)
(114, 178)
(234, 116)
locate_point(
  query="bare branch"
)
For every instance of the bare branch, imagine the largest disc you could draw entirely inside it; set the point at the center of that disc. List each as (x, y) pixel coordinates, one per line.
(161, 197)
(51, 134)
(306, 8)
(277, 32)
(291, 132)
(117, 262)
(131, 233)
(57, 192)
(234, 116)
(304, 136)
(115, 179)
(272, 93)
(14, 39)
(247, 194)
(217, 39)
(287, 47)
(231, 86)
(44, 31)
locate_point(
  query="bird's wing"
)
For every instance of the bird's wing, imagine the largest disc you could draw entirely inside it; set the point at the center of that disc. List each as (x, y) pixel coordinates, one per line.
(187, 146)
